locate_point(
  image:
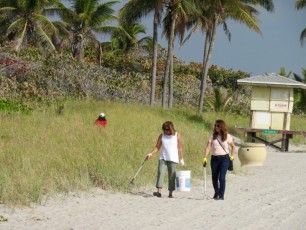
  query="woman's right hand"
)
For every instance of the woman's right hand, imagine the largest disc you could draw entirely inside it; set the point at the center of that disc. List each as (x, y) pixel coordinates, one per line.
(149, 156)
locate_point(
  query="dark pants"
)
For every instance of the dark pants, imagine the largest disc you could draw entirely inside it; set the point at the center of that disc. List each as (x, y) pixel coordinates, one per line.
(219, 166)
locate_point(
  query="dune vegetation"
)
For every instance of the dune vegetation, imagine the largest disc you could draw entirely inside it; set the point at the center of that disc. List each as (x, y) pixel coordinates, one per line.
(48, 152)
(45, 153)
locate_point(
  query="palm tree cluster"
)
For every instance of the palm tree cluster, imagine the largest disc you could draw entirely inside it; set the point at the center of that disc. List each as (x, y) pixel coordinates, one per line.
(179, 16)
(26, 22)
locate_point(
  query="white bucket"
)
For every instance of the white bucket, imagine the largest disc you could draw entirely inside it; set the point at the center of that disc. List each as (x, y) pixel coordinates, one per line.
(183, 180)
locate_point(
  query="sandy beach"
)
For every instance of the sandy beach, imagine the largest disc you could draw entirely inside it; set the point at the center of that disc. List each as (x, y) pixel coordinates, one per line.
(272, 196)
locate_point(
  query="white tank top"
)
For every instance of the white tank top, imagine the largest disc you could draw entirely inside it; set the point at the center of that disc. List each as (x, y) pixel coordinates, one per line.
(169, 150)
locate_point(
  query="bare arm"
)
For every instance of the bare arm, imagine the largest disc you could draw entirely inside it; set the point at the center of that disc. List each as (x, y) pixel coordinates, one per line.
(157, 146)
(180, 146)
(232, 144)
(207, 149)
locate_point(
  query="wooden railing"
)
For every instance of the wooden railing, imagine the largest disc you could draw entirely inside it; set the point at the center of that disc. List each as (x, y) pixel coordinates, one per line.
(284, 140)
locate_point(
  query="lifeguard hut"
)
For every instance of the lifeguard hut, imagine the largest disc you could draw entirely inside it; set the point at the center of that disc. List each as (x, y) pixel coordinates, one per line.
(271, 108)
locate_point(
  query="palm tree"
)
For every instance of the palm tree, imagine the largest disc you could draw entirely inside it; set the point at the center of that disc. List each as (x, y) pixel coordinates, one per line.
(215, 12)
(134, 10)
(282, 72)
(177, 12)
(221, 99)
(300, 94)
(25, 23)
(125, 39)
(169, 26)
(299, 5)
(85, 20)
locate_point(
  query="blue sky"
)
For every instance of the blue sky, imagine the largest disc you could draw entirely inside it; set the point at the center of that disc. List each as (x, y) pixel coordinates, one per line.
(278, 46)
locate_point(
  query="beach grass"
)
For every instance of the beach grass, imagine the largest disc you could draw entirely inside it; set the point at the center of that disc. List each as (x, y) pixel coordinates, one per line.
(46, 152)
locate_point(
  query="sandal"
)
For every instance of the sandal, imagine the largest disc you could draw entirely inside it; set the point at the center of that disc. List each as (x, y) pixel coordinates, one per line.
(158, 194)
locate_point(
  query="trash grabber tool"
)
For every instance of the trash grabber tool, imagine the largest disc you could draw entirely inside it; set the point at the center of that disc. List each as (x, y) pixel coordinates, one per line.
(131, 184)
(205, 176)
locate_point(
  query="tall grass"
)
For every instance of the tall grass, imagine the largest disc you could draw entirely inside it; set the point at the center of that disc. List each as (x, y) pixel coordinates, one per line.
(47, 152)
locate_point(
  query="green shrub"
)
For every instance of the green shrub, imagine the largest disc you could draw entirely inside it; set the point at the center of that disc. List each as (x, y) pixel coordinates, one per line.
(11, 107)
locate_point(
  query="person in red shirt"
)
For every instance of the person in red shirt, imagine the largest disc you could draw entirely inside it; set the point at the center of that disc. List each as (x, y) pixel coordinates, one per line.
(101, 120)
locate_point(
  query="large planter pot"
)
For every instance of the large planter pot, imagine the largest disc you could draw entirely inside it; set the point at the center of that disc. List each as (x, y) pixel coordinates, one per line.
(252, 154)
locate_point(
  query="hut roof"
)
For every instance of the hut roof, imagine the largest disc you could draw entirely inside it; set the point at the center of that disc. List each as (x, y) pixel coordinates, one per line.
(271, 79)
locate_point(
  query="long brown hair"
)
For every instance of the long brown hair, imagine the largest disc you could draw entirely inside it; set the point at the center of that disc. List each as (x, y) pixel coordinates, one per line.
(222, 128)
(169, 125)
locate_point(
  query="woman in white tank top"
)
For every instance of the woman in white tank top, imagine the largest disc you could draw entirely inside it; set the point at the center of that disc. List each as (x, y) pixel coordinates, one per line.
(171, 154)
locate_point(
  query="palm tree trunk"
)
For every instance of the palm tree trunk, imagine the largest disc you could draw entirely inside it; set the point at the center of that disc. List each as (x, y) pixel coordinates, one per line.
(166, 75)
(209, 41)
(100, 54)
(78, 47)
(169, 57)
(203, 78)
(154, 58)
(170, 102)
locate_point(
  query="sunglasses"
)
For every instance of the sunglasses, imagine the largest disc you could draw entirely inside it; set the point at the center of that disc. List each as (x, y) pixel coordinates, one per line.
(217, 126)
(166, 130)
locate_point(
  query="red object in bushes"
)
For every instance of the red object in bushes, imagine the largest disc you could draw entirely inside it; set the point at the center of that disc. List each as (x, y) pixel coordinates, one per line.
(102, 123)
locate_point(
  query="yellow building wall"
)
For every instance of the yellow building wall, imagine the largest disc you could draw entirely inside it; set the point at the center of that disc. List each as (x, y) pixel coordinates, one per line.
(271, 107)
(270, 120)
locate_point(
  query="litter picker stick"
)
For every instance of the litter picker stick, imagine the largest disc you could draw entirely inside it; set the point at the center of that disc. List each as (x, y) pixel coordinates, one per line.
(204, 168)
(205, 181)
(132, 181)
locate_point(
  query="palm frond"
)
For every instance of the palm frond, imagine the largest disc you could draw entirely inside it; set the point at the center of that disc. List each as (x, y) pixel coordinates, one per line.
(246, 15)
(108, 29)
(46, 22)
(297, 77)
(103, 20)
(226, 103)
(104, 9)
(266, 4)
(134, 10)
(22, 36)
(8, 11)
(226, 31)
(146, 41)
(16, 26)
(45, 40)
(193, 30)
(304, 74)
(300, 4)
(303, 36)
(167, 25)
(67, 14)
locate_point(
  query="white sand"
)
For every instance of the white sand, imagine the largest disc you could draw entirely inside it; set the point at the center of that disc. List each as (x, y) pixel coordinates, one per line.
(269, 197)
